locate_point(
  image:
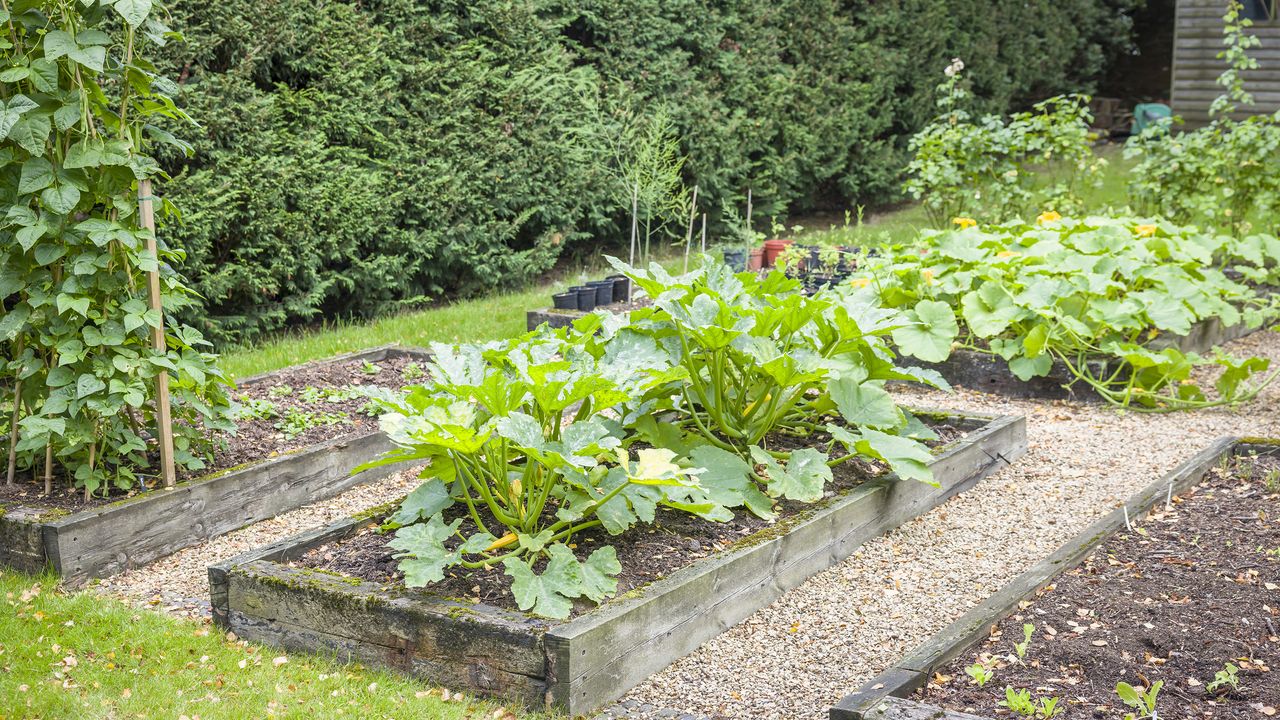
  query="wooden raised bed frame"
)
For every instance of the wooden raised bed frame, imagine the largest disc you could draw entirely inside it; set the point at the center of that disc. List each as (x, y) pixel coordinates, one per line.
(580, 664)
(105, 540)
(885, 697)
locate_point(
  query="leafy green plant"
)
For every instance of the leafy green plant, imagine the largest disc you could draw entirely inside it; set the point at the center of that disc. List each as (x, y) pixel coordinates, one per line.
(1227, 679)
(279, 391)
(652, 176)
(296, 422)
(81, 103)
(522, 438)
(759, 360)
(980, 673)
(369, 368)
(1142, 701)
(248, 408)
(413, 372)
(1020, 702)
(963, 165)
(1077, 291)
(312, 394)
(1222, 174)
(1021, 648)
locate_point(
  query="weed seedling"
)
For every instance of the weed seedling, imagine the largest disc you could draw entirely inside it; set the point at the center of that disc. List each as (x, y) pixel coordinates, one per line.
(251, 409)
(296, 422)
(1226, 678)
(413, 372)
(1021, 648)
(369, 368)
(1144, 703)
(1020, 702)
(980, 673)
(279, 391)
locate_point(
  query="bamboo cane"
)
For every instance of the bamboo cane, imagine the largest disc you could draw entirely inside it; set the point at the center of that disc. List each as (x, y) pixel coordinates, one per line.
(164, 419)
(13, 423)
(688, 235)
(48, 469)
(635, 229)
(704, 233)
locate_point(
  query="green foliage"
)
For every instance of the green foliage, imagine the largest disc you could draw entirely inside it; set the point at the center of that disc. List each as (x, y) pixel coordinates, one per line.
(1020, 703)
(980, 674)
(1226, 679)
(83, 97)
(531, 441)
(373, 155)
(760, 357)
(1142, 701)
(520, 432)
(1078, 291)
(988, 166)
(1223, 174)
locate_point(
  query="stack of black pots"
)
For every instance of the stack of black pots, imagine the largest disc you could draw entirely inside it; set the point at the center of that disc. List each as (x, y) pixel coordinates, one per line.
(596, 293)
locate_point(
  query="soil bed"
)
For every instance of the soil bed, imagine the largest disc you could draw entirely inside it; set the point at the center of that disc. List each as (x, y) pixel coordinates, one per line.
(1194, 588)
(646, 553)
(307, 391)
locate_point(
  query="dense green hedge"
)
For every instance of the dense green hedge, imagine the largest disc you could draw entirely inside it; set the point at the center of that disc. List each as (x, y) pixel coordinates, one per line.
(358, 157)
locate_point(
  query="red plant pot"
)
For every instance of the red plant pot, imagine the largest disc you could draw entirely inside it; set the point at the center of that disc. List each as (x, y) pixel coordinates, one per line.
(755, 259)
(774, 248)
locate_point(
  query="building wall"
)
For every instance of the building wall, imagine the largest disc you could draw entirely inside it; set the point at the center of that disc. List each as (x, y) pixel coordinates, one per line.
(1197, 42)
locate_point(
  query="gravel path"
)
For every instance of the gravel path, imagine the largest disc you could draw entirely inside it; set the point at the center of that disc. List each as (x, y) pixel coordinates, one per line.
(800, 655)
(179, 583)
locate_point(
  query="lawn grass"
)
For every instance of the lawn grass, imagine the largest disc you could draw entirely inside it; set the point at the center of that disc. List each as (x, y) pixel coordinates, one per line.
(84, 656)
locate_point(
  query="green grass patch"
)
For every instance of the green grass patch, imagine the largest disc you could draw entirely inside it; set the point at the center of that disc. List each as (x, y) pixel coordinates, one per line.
(79, 655)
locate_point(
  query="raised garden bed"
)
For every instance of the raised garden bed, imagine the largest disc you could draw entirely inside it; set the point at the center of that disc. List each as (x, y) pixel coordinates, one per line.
(582, 663)
(1174, 599)
(990, 373)
(303, 453)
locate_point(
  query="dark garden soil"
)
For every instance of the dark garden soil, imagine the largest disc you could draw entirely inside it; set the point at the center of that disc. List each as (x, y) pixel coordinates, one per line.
(646, 553)
(279, 431)
(1193, 589)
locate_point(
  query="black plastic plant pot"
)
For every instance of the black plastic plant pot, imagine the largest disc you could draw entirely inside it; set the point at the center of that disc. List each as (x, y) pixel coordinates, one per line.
(586, 299)
(621, 286)
(565, 300)
(736, 259)
(604, 291)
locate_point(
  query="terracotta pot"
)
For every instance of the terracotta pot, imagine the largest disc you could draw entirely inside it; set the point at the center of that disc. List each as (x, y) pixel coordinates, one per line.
(774, 248)
(755, 259)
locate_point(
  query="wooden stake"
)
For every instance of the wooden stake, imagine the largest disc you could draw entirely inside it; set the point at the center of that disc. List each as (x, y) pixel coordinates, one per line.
(48, 469)
(13, 433)
(688, 235)
(164, 419)
(704, 233)
(635, 229)
(748, 211)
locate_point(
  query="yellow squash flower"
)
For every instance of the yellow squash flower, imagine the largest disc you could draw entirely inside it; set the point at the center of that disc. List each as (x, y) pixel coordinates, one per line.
(927, 275)
(1145, 230)
(860, 282)
(1048, 216)
(964, 222)
(1008, 254)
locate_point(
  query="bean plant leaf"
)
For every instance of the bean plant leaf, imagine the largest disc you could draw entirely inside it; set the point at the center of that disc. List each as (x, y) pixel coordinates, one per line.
(135, 12)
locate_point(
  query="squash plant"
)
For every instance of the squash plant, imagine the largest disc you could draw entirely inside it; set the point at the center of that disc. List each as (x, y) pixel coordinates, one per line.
(80, 99)
(761, 361)
(1078, 290)
(522, 437)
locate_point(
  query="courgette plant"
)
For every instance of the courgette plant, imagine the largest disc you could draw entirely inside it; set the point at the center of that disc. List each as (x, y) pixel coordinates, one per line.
(761, 362)
(1080, 291)
(524, 452)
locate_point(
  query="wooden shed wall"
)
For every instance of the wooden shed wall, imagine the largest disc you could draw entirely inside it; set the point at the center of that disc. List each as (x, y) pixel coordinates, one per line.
(1197, 42)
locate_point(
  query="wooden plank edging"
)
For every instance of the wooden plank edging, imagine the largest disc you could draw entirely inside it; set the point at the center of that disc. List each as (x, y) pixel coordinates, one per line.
(131, 532)
(598, 656)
